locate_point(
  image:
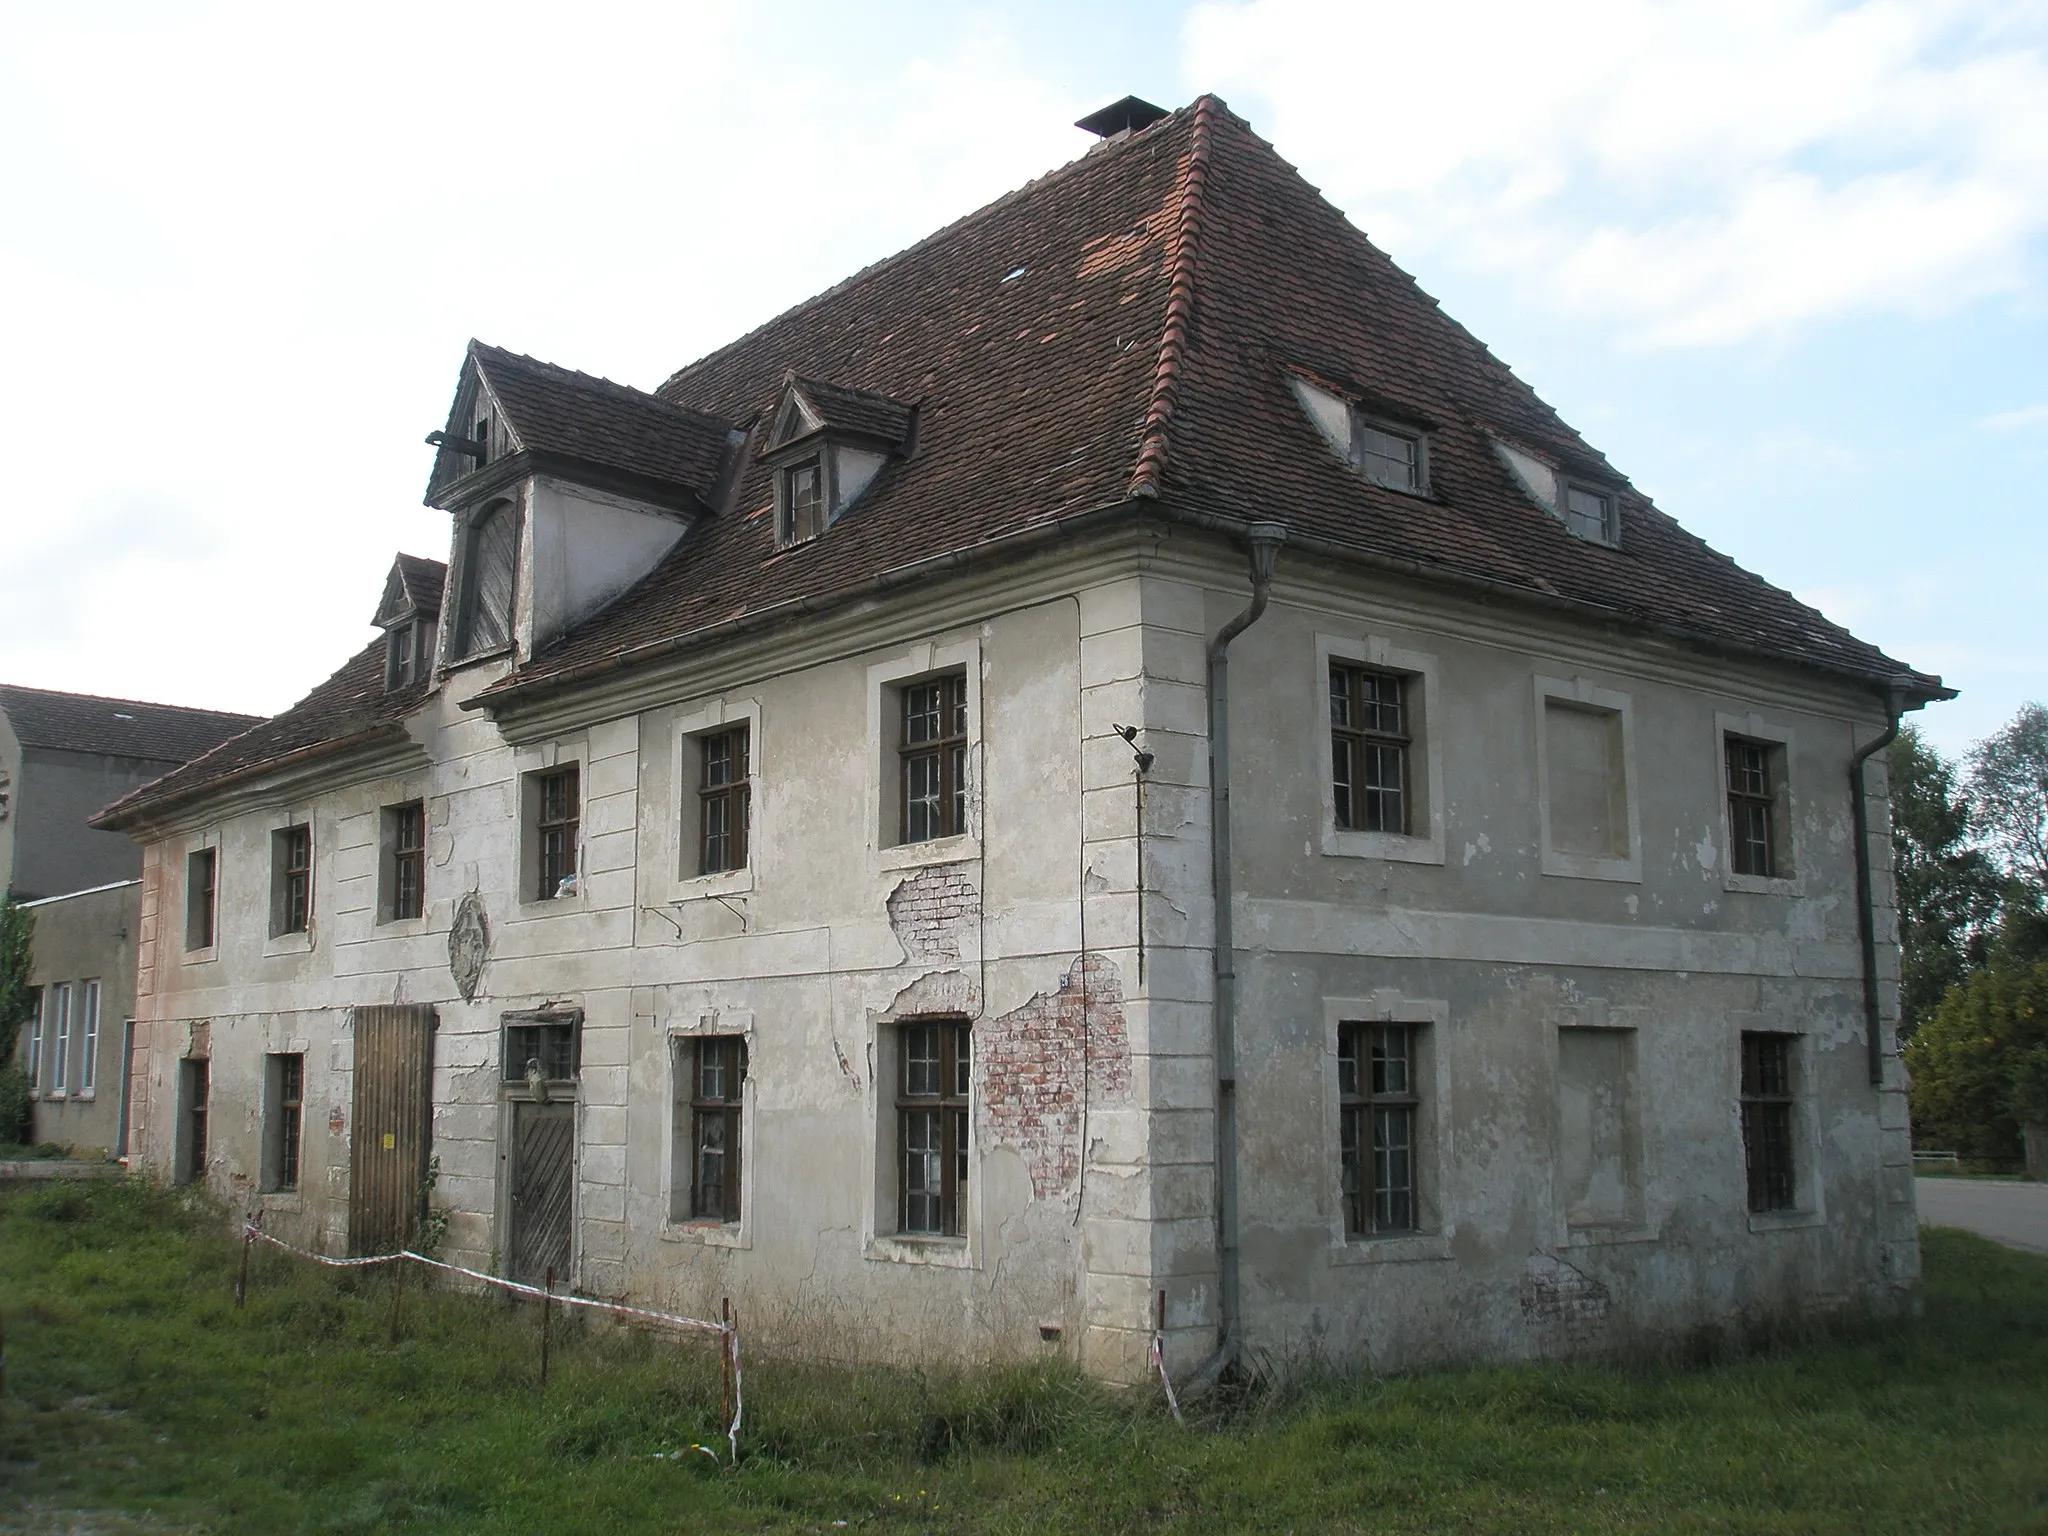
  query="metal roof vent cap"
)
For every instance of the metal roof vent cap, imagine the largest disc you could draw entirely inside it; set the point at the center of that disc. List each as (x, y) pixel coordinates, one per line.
(1131, 115)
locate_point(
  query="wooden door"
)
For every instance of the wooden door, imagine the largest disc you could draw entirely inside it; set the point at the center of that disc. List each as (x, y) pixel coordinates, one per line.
(394, 1106)
(543, 1181)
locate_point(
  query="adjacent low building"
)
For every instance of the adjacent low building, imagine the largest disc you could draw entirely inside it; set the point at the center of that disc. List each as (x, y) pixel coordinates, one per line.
(1115, 767)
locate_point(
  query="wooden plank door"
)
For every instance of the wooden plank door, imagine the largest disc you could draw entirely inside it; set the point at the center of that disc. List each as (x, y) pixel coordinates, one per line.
(394, 1106)
(543, 1184)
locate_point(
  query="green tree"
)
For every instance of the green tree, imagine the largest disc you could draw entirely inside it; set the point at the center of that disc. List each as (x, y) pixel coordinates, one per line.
(1948, 889)
(1977, 1062)
(2009, 795)
(17, 932)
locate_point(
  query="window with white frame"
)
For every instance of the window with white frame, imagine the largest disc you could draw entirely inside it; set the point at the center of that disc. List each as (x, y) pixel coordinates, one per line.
(58, 1031)
(89, 1037)
(38, 1006)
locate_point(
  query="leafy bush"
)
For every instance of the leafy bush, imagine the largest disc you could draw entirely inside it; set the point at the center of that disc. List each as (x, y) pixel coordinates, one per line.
(14, 1102)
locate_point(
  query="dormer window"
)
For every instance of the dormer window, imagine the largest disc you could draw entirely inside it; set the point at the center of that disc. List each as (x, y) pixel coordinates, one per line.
(1588, 511)
(483, 441)
(408, 653)
(1386, 452)
(410, 615)
(826, 448)
(801, 505)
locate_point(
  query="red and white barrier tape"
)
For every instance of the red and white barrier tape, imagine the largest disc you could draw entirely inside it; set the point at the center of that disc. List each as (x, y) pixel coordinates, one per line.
(1166, 1381)
(729, 1335)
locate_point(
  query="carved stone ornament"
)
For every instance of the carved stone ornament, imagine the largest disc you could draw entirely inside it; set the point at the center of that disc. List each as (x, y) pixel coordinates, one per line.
(468, 942)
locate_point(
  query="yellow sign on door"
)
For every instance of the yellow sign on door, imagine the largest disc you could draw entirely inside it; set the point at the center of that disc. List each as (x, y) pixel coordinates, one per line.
(390, 1140)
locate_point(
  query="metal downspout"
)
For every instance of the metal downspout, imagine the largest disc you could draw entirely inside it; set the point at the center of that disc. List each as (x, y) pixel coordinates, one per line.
(1265, 540)
(1866, 913)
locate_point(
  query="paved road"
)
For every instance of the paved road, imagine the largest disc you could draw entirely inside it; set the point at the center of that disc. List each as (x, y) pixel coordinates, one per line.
(2013, 1214)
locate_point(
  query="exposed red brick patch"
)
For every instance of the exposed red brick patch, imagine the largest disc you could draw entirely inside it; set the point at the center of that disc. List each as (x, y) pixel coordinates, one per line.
(1039, 1062)
(927, 910)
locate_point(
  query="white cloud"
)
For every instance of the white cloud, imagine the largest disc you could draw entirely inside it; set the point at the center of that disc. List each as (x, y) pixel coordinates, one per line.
(1699, 172)
(2026, 418)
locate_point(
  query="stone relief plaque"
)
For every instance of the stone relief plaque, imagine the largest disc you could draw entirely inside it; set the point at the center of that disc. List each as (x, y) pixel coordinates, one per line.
(468, 942)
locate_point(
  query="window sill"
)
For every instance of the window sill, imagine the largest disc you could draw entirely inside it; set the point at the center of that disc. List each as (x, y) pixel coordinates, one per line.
(724, 882)
(285, 1201)
(553, 906)
(708, 1234)
(300, 943)
(400, 927)
(475, 659)
(1395, 847)
(86, 1095)
(1406, 1248)
(1783, 1221)
(1586, 866)
(204, 956)
(1590, 1236)
(940, 1252)
(55, 1096)
(1765, 885)
(937, 850)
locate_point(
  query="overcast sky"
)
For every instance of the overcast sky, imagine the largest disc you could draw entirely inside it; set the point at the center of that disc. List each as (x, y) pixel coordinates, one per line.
(1786, 264)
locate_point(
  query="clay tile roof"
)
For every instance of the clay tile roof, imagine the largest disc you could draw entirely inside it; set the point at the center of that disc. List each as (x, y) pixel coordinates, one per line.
(857, 412)
(81, 722)
(591, 421)
(1123, 328)
(423, 580)
(350, 705)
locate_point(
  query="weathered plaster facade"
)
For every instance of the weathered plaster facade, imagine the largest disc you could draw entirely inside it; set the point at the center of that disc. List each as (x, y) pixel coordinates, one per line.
(1556, 923)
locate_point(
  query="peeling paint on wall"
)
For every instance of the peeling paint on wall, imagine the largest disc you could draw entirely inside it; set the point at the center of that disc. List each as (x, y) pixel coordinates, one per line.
(1564, 1306)
(1040, 1061)
(927, 911)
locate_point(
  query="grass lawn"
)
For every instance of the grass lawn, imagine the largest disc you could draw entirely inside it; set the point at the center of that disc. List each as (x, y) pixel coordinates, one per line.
(139, 1400)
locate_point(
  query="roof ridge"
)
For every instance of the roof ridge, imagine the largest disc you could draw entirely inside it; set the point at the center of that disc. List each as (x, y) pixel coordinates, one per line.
(102, 698)
(1180, 296)
(596, 384)
(1092, 156)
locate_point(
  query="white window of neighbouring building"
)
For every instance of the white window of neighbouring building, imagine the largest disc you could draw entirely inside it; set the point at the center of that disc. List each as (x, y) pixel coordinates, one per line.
(88, 1038)
(57, 1030)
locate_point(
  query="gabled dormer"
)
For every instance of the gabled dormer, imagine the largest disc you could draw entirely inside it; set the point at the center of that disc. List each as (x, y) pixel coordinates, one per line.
(826, 444)
(565, 490)
(410, 617)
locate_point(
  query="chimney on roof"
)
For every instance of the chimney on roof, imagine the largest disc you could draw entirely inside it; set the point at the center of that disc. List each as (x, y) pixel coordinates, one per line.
(1121, 117)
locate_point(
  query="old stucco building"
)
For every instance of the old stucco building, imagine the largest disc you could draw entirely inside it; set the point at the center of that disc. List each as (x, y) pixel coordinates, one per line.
(781, 858)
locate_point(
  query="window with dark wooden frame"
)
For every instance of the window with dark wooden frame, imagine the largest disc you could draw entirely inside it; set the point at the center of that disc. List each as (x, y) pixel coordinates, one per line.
(1378, 1105)
(722, 801)
(405, 831)
(716, 1067)
(201, 867)
(291, 875)
(932, 751)
(1767, 1103)
(286, 1121)
(802, 498)
(557, 817)
(196, 1074)
(543, 1047)
(933, 1089)
(1369, 744)
(1752, 842)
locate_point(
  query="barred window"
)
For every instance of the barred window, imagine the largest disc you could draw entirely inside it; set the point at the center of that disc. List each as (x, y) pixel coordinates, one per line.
(932, 753)
(1369, 744)
(291, 879)
(722, 798)
(1752, 843)
(931, 1117)
(405, 839)
(556, 823)
(284, 1122)
(712, 1072)
(1378, 1103)
(1767, 1102)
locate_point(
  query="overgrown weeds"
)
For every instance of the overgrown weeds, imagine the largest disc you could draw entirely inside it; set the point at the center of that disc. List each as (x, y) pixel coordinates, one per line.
(141, 1395)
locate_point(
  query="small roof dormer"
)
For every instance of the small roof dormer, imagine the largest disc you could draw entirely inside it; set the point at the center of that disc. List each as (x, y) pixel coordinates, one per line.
(410, 616)
(826, 444)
